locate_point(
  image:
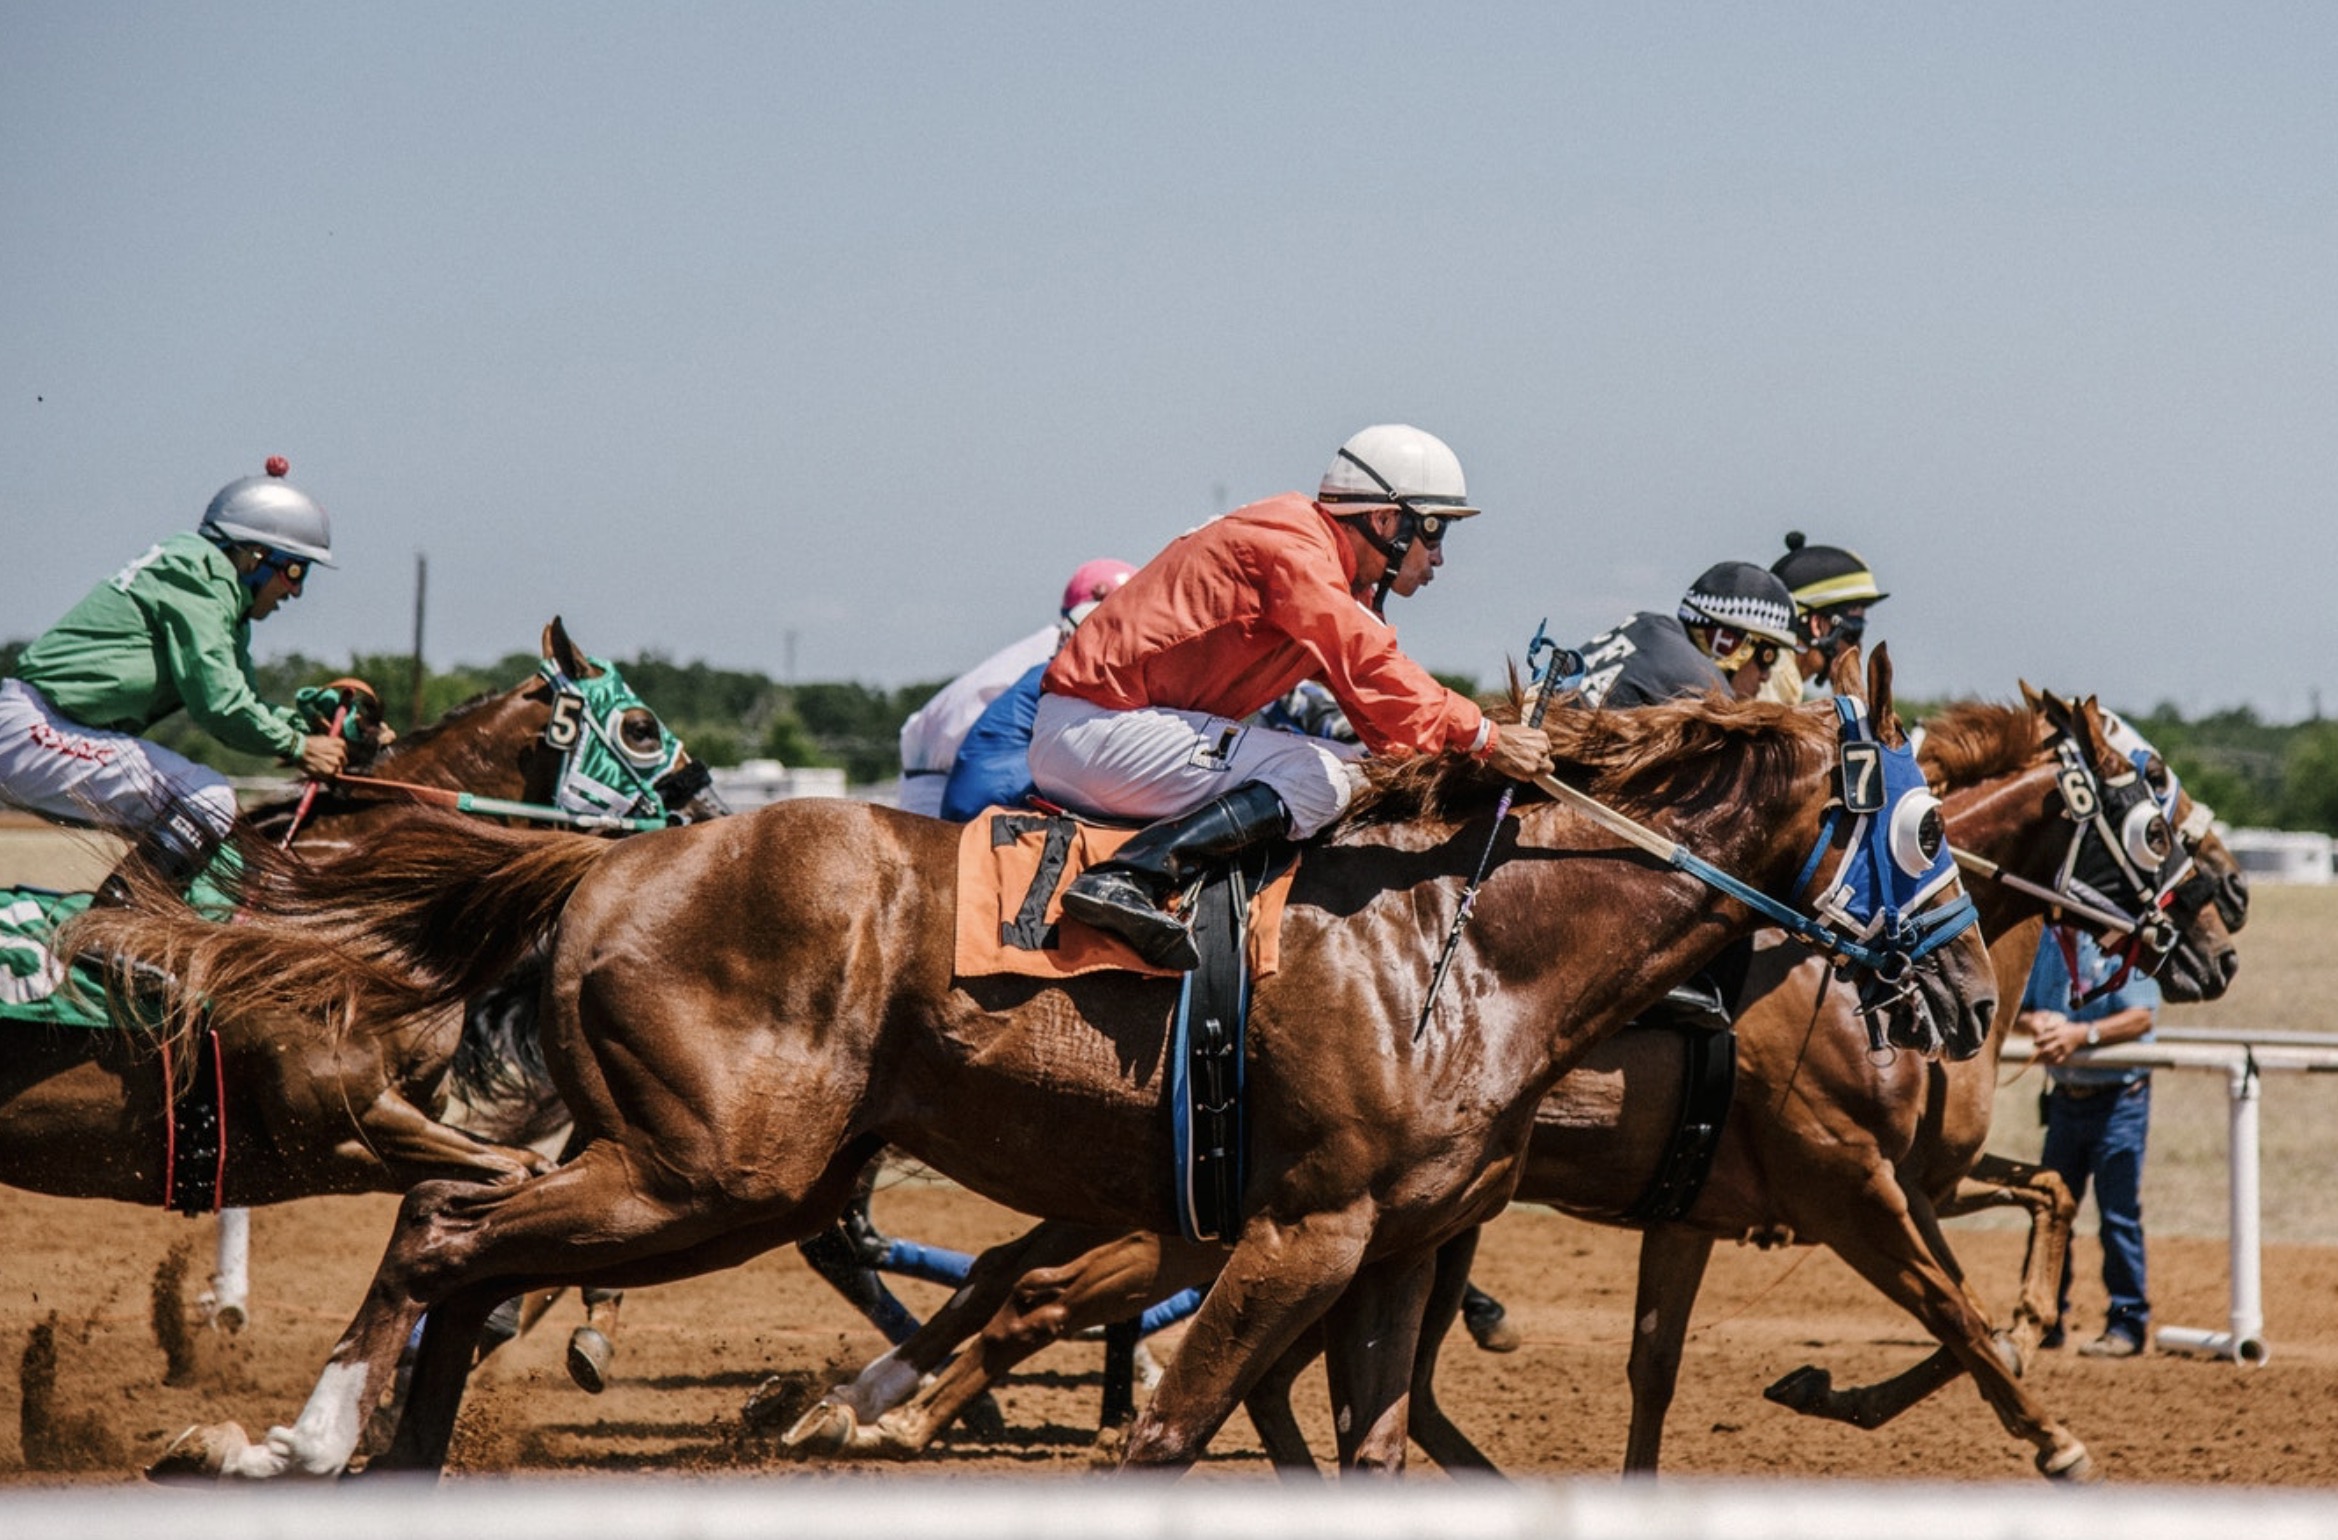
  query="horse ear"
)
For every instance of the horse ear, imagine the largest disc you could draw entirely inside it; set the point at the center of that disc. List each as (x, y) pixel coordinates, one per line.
(1844, 675)
(565, 654)
(2031, 698)
(1879, 696)
(2053, 708)
(2087, 727)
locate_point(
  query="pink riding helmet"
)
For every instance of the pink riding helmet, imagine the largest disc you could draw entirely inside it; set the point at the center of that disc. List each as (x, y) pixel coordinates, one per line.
(1091, 583)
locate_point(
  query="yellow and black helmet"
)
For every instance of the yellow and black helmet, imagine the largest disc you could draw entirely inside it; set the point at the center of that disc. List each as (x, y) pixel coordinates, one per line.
(1825, 577)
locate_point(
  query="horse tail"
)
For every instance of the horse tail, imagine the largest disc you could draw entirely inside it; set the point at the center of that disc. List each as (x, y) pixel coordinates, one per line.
(428, 912)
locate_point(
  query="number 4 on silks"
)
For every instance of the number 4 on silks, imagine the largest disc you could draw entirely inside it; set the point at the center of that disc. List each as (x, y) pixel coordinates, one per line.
(1863, 777)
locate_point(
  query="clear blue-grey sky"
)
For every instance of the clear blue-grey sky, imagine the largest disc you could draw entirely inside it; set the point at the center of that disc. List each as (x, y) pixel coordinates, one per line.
(707, 325)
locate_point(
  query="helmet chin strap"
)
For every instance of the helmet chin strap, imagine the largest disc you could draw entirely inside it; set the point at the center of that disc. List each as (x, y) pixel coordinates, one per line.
(1393, 552)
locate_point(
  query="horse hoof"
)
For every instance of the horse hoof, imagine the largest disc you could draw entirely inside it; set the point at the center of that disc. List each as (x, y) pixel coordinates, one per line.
(826, 1429)
(1802, 1390)
(588, 1359)
(2073, 1465)
(201, 1453)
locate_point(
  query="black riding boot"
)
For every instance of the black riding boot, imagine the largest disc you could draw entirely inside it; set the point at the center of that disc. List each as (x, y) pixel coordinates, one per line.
(1125, 894)
(175, 847)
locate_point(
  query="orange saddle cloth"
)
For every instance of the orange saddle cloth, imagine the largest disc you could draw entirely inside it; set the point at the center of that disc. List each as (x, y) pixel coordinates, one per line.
(1012, 868)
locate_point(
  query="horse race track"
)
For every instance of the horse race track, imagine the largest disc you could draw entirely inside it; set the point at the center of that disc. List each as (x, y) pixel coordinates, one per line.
(84, 1395)
(78, 1282)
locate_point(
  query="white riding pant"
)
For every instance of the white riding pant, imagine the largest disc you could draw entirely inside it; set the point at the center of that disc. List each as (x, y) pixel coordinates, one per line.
(53, 765)
(1155, 763)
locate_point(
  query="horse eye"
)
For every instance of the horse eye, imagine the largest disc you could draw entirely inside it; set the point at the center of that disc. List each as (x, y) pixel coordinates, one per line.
(2155, 775)
(1917, 834)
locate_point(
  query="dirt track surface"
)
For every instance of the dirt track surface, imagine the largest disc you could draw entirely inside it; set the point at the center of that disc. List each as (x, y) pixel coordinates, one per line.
(691, 1352)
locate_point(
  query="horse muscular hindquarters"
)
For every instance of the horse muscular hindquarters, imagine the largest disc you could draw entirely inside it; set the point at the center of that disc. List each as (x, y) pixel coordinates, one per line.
(1817, 1146)
(741, 1013)
(307, 1111)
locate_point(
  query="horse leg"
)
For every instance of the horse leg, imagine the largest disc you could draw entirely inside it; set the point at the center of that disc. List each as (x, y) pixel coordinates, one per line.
(1371, 1341)
(592, 1347)
(1269, 1406)
(1885, 1246)
(1279, 1279)
(847, 1419)
(415, 1147)
(434, 1387)
(1672, 1270)
(1449, 1290)
(603, 1212)
(1104, 1284)
(1998, 1182)
(227, 1304)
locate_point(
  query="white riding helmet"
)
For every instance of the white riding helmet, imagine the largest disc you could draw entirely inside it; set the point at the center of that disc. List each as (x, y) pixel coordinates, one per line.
(1391, 466)
(266, 510)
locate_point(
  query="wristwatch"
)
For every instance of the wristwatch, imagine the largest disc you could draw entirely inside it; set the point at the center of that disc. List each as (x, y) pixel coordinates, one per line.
(2094, 1034)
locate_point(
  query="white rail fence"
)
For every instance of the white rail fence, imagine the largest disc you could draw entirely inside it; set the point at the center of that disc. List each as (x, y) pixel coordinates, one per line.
(2244, 1057)
(1135, 1509)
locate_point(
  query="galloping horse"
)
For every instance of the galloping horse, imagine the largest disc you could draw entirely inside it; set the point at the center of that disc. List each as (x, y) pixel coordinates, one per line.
(1819, 1141)
(84, 1113)
(740, 1013)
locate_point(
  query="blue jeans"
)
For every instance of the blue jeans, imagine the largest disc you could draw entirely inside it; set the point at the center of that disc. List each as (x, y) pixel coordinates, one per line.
(2101, 1138)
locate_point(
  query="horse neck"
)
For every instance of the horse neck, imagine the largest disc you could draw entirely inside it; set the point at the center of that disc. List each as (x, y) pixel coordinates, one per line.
(486, 749)
(2009, 821)
(1660, 924)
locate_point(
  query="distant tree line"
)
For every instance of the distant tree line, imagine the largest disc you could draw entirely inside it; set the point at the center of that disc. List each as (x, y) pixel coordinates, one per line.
(724, 715)
(2253, 773)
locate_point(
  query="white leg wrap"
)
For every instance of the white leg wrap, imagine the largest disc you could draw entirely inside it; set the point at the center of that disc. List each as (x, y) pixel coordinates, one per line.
(322, 1440)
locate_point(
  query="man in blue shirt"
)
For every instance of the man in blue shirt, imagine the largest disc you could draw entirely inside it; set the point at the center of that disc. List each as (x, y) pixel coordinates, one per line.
(2096, 1117)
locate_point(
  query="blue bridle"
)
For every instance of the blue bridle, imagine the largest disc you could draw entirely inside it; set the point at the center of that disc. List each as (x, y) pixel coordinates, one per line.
(1872, 913)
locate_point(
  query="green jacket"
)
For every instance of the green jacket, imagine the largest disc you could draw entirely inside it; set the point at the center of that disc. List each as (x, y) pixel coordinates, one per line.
(171, 629)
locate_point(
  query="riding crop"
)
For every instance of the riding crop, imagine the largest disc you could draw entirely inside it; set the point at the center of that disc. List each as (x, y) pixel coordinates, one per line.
(1540, 683)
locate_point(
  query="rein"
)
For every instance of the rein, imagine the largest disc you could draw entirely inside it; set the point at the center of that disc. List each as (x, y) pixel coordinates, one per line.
(572, 731)
(1893, 943)
(1933, 931)
(2087, 802)
(497, 807)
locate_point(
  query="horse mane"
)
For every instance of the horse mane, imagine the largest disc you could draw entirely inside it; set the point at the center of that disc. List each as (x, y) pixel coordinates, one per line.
(387, 759)
(1975, 741)
(1694, 750)
(423, 736)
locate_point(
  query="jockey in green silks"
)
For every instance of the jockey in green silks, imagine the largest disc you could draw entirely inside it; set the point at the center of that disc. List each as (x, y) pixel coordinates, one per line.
(170, 630)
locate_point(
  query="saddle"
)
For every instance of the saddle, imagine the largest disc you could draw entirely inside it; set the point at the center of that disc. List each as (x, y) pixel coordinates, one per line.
(1012, 869)
(1701, 1011)
(40, 989)
(1013, 865)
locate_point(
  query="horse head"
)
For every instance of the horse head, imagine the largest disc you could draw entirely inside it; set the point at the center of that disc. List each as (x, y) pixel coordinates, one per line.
(1897, 887)
(2065, 810)
(573, 735)
(1816, 819)
(2208, 903)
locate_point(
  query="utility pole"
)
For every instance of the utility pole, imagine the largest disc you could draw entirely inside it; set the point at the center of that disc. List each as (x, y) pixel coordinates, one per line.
(421, 588)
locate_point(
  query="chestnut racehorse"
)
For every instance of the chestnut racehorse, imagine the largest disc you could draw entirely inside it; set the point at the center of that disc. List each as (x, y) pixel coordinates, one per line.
(82, 1112)
(1817, 1147)
(740, 1013)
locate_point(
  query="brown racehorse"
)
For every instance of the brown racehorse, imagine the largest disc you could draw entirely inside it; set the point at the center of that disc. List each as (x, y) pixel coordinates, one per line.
(307, 1111)
(740, 1013)
(1817, 1145)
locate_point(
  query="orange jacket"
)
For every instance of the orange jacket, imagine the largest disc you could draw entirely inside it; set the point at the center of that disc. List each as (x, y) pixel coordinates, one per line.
(1235, 613)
